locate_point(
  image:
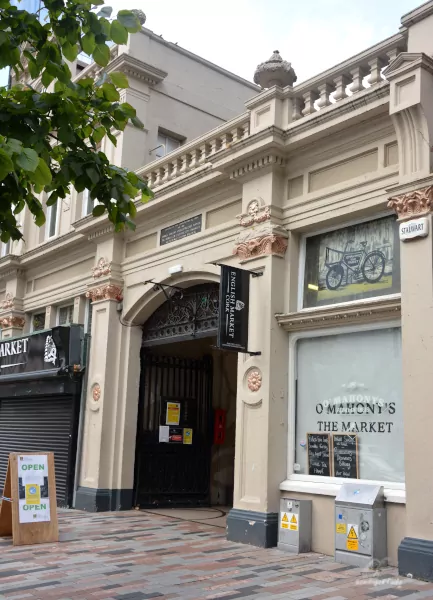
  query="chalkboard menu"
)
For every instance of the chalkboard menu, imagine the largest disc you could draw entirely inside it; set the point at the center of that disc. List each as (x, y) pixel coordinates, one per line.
(345, 455)
(180, 230)
(319, 454)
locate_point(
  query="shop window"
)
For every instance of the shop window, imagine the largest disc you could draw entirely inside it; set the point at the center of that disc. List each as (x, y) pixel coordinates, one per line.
(66, 315)
(352, 263)
(349, 412)
(38, 321)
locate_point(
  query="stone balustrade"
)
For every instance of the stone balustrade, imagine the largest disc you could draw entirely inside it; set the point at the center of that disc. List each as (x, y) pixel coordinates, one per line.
(195, 154)
(347, 78)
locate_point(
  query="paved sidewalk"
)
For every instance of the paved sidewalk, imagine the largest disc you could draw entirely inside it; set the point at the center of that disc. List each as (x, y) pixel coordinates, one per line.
(138, 555)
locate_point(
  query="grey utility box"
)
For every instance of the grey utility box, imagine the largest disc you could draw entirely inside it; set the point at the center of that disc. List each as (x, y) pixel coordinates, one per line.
(360, 525)
(294, 532)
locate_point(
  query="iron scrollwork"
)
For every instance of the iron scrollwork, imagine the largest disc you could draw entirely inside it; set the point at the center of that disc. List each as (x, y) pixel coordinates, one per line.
(185, 314)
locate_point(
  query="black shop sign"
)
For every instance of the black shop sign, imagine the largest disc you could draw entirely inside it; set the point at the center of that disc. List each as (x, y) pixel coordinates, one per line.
(234, 307)
(35, 352)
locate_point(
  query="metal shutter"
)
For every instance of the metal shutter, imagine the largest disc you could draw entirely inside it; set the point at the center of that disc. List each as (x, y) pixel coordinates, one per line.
(37, 425)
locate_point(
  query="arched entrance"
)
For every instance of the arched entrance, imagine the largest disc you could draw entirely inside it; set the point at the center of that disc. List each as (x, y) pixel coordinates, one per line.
(184, 380)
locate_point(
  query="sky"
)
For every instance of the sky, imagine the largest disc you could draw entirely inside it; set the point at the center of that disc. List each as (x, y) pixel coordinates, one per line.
(313, 35)
(238, 34)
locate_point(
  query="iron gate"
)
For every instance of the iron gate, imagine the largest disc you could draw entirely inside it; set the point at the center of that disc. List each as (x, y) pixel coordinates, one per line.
(174, 473)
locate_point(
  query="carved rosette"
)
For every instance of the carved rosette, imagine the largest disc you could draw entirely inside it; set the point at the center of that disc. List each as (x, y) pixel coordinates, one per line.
(102, 268)
(254, 380)
(9, 322)
(8, 302)
(96, 392)
(105, 292)
(416, 203)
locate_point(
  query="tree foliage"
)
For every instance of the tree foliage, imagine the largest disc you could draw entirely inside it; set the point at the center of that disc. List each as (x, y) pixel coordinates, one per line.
(50, 128)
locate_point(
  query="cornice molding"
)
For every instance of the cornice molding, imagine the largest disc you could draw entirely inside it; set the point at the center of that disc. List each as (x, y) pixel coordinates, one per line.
(386, 309)
(137, 68)
(268, 160)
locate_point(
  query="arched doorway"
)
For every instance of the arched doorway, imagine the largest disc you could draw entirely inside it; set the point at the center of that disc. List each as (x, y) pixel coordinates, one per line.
(184, 380)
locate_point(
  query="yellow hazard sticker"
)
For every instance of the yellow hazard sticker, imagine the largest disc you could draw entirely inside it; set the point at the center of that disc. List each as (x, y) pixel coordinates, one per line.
(284, 521)
(294, 523)
(353, 534)
(341, 528)
(352, 545)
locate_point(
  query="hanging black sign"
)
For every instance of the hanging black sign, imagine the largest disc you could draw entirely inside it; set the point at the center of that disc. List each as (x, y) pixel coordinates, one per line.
(35, 352)
(234, 307)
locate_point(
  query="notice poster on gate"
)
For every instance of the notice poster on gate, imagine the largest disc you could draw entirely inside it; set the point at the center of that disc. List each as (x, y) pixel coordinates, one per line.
(33, 493)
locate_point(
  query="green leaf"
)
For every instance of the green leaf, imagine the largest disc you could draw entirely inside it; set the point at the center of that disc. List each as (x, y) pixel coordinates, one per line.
(132, 209)
(101, 55)
(110, 92)
(137, 123)
(127, 109)
(132, 178)
(33, 69)
(98, 210)
(93, 175)
(129, 20)
(88, 43)
(98, 134)
(70, 51)
(52, 199)
(105, 12)
(15, 145)
(40, 218)
(118, 32)
(6, 164)
(46, 78)
(28, 159)
(42, 174)
(106, 28)
(112, 138)
(119, 79)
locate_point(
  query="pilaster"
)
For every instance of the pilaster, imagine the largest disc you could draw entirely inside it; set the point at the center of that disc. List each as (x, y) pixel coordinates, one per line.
(12, 317)
(261, 417)
(415, 553)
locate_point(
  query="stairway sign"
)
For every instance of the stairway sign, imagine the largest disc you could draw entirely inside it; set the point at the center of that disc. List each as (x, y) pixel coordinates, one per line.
(28, 511)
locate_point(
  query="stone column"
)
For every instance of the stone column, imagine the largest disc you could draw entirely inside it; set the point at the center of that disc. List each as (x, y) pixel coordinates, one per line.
(261, 410)
(415, 554)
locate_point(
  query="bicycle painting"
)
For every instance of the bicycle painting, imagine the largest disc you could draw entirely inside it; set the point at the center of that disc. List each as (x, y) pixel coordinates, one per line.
(370, 264)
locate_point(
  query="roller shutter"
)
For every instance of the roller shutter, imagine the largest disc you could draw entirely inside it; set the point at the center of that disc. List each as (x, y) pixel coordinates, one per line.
(37, 425)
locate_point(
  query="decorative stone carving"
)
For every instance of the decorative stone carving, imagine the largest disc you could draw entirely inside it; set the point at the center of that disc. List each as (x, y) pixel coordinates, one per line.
(274, 71)
(105, 292)
(8, 322)
(103, 267)
(96, 392)
(254, 380)
(8, 302)
(140, 15)
(412, 204)
(255, 214)
(265, 240)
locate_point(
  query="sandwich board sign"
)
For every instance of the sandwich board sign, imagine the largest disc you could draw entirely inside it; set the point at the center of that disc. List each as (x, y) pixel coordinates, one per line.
(28, 510)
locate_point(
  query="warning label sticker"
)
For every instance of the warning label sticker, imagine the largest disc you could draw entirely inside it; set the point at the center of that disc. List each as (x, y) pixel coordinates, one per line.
(284, 521)
(341, 528)
(352, 538)
(294, 523)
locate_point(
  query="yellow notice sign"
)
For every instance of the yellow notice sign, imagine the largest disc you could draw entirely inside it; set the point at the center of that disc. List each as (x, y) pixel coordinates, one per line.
(187, 436)
(352, 542)
(341, 528)
(284, 521)
(294, 523)
(173, 413)
(33, 493)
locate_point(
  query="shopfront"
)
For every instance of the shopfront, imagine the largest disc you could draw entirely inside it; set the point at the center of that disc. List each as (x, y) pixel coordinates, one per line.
(40, 387)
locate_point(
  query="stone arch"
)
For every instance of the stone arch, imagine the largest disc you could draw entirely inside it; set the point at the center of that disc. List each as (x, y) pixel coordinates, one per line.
(151, 300)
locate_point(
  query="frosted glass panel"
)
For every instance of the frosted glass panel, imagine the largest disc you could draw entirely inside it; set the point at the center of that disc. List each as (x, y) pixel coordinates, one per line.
(351, 383)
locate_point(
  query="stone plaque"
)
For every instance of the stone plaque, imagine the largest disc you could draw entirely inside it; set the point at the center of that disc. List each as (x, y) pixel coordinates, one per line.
(180, 230)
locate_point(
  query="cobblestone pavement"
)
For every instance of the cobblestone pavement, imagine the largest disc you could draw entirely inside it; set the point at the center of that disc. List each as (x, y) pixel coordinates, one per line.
(137, 555)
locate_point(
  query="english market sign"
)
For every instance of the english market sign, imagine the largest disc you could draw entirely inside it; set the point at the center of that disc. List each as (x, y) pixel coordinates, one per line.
(36, 352)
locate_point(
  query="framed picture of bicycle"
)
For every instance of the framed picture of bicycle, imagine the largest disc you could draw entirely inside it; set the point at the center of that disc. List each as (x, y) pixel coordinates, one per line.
(360, 261)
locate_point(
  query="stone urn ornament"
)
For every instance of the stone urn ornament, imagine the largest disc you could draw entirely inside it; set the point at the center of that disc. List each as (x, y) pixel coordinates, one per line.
(275, 71)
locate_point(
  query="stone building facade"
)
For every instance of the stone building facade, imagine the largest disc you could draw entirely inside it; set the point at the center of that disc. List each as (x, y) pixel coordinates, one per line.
(307, 187)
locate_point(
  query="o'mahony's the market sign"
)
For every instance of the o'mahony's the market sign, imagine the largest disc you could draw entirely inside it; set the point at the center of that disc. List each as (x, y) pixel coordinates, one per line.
(36, 352)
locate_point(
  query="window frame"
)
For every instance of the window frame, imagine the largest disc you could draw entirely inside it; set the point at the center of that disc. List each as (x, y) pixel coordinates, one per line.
(303, 256)
(316, 484)
(162, 134)
(50, 211)
(66, 305)
(32, 315)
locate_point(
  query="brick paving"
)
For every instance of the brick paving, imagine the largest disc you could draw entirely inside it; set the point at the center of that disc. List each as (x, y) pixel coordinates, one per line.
(137, 555)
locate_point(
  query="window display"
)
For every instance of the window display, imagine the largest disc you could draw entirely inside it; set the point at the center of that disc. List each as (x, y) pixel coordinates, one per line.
(349, 412)
(361, 261)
